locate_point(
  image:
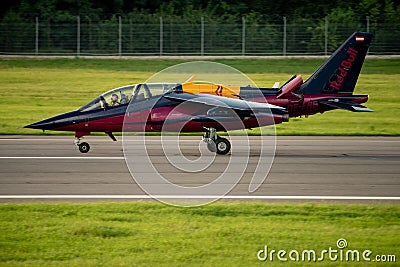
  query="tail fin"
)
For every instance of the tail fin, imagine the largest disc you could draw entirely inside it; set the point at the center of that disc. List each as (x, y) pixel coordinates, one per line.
(340, 72)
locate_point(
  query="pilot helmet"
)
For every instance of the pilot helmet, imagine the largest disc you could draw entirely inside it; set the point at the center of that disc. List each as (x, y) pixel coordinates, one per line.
(114, 97)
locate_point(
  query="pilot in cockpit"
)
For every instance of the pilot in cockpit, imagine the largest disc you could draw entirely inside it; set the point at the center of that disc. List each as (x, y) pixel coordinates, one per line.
(124, 99)
(114, 100)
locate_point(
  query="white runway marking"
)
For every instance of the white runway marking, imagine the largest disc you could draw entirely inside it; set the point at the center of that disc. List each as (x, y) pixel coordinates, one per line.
(195, 138)
(196, 197)
(96, 158)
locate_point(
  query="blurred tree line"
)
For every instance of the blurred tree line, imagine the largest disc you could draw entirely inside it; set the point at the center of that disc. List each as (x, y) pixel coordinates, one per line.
(99, 21)
(213, 11)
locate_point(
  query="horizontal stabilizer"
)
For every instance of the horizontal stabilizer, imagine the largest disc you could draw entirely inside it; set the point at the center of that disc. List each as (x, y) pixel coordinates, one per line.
(350, 106)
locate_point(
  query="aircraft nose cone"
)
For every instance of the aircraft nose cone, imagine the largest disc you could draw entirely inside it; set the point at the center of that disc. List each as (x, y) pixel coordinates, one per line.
(43, 125)
(32, 126)
(53, 122)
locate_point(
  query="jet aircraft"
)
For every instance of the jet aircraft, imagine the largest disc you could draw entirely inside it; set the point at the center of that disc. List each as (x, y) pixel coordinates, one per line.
(209, 108)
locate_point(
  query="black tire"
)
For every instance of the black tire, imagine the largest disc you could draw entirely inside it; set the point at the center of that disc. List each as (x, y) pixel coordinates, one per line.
(211, 146)
(223, 146)
(84, 147)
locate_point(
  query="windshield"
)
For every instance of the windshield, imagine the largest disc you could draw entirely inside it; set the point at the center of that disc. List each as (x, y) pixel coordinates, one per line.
(113, 98)
(130, 93)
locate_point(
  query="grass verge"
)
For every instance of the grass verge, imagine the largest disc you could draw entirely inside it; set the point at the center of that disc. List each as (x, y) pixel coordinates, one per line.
(153, 234)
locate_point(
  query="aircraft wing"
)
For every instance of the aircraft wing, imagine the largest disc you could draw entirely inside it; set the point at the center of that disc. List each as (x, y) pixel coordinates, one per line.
(345, 105)
(223, 102)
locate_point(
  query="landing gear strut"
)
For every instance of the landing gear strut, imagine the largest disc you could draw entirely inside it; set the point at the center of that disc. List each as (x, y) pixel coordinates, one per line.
(216, 143)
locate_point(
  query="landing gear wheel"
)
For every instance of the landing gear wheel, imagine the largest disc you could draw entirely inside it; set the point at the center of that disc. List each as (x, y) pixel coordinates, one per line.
(84, 147)
(211, 146)
(223, 146)
(215, 143)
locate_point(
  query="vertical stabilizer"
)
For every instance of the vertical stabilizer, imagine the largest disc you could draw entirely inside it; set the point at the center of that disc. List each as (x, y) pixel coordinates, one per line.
(340, 72)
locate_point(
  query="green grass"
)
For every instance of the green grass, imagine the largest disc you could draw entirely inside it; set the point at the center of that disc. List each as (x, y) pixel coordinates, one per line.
(292, 66)
(154, 234)
(31, 90)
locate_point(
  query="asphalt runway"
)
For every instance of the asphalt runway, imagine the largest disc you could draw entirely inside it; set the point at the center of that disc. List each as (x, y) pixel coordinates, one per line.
(345, 169)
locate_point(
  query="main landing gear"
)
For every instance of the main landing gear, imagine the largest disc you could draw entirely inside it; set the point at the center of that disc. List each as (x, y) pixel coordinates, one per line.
(216, 143)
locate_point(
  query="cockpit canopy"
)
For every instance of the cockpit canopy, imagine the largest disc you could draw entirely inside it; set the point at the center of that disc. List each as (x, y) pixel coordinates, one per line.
(128, 94)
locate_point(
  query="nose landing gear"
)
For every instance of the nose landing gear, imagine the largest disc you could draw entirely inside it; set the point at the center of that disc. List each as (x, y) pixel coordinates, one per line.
(215, 143)
(83, 147)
